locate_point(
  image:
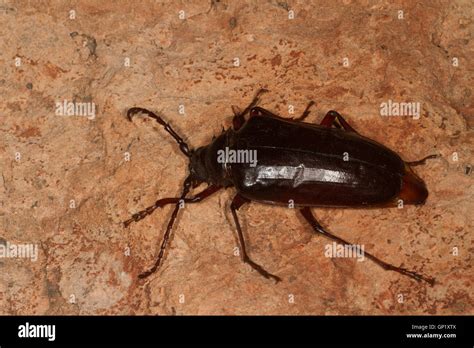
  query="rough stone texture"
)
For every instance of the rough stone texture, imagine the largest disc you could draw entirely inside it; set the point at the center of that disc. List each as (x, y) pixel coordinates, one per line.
(83, 266)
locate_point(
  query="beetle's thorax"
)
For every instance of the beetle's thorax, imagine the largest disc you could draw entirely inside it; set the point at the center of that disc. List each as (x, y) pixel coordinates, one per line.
(203, 163)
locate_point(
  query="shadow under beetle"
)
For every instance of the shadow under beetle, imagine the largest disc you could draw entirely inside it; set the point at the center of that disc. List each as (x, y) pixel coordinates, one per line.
(326, 165)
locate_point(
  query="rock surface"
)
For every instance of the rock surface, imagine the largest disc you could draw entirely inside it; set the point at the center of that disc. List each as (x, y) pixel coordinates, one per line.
(68, 182)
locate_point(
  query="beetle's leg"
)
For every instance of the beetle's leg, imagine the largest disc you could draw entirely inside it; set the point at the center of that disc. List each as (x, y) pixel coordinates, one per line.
(236, 110)
(306, 212)
(182, 144)
(186, 187)
(258, 111)
(239, 117)
(171, 200)
(237, 202)
(330, 120)
(422, 161)
(305, 112)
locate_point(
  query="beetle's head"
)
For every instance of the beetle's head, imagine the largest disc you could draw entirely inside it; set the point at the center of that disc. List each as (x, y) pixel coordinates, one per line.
(197, 168)
(204, 165)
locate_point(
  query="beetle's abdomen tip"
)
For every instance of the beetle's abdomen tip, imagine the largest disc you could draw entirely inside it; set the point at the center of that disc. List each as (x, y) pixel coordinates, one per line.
(413, 189)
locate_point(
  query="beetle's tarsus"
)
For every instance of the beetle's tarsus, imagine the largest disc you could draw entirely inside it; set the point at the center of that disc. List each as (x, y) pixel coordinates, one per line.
(261, 270)
(415, 275)
(422, 161)
(148, 273)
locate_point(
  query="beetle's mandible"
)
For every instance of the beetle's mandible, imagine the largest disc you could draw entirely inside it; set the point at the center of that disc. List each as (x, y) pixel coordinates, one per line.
(326, 165)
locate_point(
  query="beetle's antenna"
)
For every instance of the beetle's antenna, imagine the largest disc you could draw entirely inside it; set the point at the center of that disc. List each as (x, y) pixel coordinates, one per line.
(164, 243)
(422, 161)
(182, 144)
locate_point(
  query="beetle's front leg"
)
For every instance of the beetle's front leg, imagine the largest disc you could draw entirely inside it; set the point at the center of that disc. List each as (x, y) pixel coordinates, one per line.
(171, 200)
(237, 202)
(186, 187)
(306, 212)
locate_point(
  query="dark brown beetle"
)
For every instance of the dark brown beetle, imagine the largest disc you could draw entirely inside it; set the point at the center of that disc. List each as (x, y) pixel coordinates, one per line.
(309, 165)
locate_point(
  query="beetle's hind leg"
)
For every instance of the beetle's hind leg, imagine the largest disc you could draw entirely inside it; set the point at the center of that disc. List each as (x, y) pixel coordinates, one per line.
(306, 212)
(237, 202)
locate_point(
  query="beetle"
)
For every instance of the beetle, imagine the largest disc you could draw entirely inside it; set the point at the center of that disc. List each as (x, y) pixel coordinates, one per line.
(325, 165)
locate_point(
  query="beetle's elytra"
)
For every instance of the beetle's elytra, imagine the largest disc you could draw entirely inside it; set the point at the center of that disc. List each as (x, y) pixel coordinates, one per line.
(326, 165)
